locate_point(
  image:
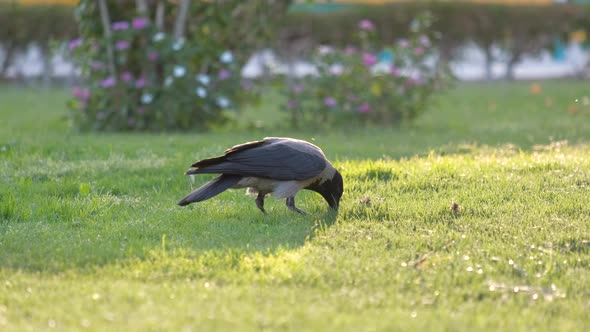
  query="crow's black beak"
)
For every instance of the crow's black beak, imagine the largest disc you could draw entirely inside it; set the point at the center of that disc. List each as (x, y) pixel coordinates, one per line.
(332, 201)
(332, 191)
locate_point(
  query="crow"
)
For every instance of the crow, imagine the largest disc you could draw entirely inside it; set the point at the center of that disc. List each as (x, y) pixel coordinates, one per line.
(273, 165)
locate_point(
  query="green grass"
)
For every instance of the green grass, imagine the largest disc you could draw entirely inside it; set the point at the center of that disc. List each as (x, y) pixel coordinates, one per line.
(91, 238)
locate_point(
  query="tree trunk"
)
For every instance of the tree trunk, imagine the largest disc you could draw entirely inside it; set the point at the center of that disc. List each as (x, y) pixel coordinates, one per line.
(47, 65)
(8, 53)
(181, 18)
(489, 61)
(445, 51)
(143, 11)
(106, 25)
(160, 11)
(142, 7)
(514, 59)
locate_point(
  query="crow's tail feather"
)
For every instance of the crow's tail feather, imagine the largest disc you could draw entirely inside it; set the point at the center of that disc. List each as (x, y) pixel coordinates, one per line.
(211, 189)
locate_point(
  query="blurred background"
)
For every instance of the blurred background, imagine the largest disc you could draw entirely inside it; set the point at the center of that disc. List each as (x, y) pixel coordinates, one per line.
(126, 61)
(461, 128)
(482, 38)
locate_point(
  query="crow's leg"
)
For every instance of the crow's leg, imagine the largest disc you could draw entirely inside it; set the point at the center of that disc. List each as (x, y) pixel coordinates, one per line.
(260, 201)
(292, 207)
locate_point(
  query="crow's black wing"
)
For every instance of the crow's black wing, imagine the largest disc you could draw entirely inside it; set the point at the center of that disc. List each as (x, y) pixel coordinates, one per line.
(274, 160)
(236, 148)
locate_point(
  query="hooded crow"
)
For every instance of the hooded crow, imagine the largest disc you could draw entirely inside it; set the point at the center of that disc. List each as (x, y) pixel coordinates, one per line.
(274, 165)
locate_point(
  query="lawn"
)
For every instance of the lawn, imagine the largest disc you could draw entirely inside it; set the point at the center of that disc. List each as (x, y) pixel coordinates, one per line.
(476, 217)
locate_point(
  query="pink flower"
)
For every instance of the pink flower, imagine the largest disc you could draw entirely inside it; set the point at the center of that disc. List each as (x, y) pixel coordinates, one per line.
(126, 76)
(350, 50)
(100, 116)
(140, 83)
(131, 122)
(425, 41)
(121, 25)
(369, 59)
(108, 82)
(330, 102)
(139, 23)
(297, 88)
(140, 110)
(76, 91)
(336, 70)
(419, 50)
(403, 43)
(364, 108)
(153, 56)
(80, 93)
(122, 45)
(394, 71)
(292, 103)
(411, 81)
(246, 85)
(224, 74)
(75, 43)
(96, 65)
(366, 25)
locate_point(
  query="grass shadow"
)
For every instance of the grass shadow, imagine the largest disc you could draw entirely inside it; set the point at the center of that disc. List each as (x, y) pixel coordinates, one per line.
(89, 228)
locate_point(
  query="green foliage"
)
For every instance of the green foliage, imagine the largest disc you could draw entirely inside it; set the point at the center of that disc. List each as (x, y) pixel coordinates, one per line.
(26, 24)
(353, 86)
(512, 254)
(160, 80)
(522, 29)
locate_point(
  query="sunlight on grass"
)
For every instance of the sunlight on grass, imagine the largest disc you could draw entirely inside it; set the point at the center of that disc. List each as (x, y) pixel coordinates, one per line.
(474, 218)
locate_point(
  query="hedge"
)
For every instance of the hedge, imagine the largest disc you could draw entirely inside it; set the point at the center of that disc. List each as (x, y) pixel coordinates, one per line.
(519, 30)
(23, 25)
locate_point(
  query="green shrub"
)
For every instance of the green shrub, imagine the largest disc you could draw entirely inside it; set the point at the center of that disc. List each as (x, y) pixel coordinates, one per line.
(162, 80)
(352, 84)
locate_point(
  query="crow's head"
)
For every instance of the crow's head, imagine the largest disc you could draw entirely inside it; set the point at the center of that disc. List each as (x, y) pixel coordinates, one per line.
(331, 190)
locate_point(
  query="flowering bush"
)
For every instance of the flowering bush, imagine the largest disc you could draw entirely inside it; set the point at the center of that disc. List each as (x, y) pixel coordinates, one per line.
(387, 86)
(137, 75)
